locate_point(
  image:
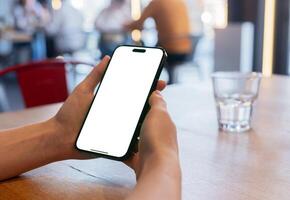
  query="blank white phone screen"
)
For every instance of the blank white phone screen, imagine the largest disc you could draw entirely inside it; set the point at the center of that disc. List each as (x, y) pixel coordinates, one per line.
(114, 114)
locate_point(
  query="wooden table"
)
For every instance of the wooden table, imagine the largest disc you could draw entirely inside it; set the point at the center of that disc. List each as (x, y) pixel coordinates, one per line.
(215, 165)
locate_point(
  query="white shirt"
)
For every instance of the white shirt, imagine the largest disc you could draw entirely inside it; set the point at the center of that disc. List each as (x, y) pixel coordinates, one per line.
(5, 12)
(113, 18)
(67, 28)
(28, 19)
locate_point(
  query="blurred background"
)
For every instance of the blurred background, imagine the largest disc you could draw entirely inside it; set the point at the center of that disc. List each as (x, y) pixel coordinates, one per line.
(200, 36)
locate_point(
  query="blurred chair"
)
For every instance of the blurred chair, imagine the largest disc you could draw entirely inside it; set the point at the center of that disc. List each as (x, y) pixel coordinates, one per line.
(194, 42)
(172, 64)
(109, 41)
(42, 82)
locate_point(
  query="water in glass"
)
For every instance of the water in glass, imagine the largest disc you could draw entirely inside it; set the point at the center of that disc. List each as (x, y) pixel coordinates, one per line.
(234, 111)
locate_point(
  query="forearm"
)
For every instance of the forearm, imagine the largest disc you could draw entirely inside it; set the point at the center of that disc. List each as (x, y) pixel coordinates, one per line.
(26, 148)
(159, 179)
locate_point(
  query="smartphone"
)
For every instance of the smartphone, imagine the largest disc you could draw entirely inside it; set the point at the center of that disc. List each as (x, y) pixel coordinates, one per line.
(113, 122)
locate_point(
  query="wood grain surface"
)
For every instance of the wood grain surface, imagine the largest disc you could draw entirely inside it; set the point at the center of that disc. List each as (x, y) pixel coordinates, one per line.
(215, 165)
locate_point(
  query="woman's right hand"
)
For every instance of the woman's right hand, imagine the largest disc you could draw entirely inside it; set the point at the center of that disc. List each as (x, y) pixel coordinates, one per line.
(158, 140)
(157, 164)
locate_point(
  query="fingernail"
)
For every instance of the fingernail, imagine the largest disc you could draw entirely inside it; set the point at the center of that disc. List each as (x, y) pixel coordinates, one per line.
(104, 58)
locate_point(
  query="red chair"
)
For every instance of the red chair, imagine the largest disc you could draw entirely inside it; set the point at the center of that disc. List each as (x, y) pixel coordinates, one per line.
(42, 82)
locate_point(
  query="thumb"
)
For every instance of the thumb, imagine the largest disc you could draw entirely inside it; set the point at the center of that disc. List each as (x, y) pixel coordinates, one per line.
(95, 76)
(156, 100)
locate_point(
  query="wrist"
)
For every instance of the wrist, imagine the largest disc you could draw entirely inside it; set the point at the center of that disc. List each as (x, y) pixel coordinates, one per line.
(56, 141)
(166, 162)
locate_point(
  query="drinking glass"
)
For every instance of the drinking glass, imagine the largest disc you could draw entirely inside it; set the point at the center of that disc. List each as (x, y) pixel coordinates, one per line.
(234, 94)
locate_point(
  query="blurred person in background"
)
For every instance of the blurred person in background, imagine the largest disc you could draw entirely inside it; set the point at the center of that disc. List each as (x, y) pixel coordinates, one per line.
(29, 15)
(29, 18)
(45, 3)
(6, 15)
(6, 24)
(110, 23)
(66, 29)
(173, 26)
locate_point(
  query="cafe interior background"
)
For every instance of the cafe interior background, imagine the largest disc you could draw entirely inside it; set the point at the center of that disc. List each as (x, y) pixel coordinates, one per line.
(227, 35)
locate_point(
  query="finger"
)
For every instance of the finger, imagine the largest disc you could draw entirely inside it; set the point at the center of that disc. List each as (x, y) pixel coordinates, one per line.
(132, 162)
(161, 85)
(136, 146)
(95, 76)
(84, 155)
(156, 100)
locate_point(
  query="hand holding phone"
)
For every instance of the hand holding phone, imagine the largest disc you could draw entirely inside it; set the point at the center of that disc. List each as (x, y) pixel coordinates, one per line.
(112, 124)
(158, 139)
